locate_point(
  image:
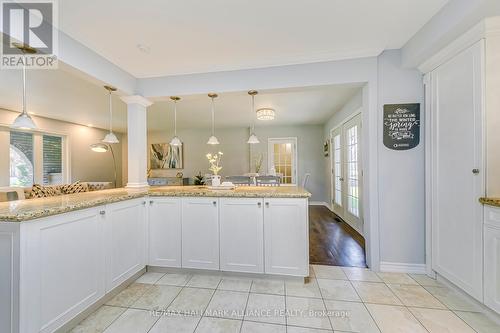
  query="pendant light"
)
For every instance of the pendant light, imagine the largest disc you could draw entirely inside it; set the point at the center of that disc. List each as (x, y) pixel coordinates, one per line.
(253, 139)
(175, 140)
(213, 139)
(110, 137)
(24, 120)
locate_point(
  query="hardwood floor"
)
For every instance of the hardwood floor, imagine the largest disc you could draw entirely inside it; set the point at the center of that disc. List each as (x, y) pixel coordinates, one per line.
(332, 241)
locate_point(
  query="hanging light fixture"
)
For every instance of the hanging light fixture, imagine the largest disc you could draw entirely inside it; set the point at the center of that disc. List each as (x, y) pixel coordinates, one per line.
(265, 114)
(175, 140)
(213, 139)
(110, 137)
(24, 120)
(253, 139)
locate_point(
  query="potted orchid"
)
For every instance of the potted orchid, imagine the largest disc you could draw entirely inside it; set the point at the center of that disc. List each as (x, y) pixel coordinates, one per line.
(215, 167)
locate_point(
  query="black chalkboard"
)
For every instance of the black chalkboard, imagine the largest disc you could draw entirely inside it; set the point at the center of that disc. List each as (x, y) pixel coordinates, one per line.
(401, 126)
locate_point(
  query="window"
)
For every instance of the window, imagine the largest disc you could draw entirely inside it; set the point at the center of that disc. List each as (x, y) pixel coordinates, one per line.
(352, 171)
(52, 160)
(282, 155)
(21, 159)
(337, 158)
(36, 158)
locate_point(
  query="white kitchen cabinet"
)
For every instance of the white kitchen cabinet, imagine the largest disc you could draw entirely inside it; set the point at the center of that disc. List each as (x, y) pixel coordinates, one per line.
(125, 237)
(165, 232)
(492, 258)
(286, 236)
(242, 235)
(62, 268)
(200, 233)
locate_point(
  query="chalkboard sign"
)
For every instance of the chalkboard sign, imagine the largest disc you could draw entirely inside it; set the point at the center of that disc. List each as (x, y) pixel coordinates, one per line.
(401, 126)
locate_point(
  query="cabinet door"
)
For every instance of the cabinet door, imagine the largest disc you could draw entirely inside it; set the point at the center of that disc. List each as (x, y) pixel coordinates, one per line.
(165, 232)
(62, 268)
(125, 241)
(241, 235)
(200, 233)
(286, 236)
(457, 163)
(492, 267)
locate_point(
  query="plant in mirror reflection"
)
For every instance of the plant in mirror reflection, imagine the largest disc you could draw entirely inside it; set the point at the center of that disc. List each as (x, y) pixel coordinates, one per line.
(215, 162)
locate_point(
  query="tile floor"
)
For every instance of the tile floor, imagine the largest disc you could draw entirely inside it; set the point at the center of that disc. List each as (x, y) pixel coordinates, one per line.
(335, 300)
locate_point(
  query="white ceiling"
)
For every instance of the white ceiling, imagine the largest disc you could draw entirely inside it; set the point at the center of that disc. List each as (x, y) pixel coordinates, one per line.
(62, 95)
(193, 36)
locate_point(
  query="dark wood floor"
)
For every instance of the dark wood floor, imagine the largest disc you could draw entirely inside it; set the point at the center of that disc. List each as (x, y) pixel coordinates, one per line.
(332, 241)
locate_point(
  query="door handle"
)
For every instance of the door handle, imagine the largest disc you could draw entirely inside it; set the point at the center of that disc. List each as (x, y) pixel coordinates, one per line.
(475, 171)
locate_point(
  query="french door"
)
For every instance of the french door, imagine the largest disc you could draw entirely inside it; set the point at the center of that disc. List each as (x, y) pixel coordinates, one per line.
(345, 143)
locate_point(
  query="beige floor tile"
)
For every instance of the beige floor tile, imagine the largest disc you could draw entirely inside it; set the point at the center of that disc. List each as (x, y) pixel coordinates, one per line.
(177, 324)
(266, 308)
(132, 321)
(329, 272)
(235, 284)
(440, 321)
(227, 304)
(412, 295)
(307, 312)
(372, 292)
(424, 280)
(268, 286)
(98, 321)
(204, 281)
(361, 274)
(129, 295)
(301, 289)
(157, 297)
(397, 278)
(452, 299)
(253, 327)
(174, 279)
(394, 319)
(340, 290)
(150, 277)
(295, 329)
(479, 321)
(191, 301)
(218, 325)
(350, 317)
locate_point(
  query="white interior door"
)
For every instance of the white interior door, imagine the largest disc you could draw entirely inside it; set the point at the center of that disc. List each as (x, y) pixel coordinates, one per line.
(457, 173)
(347, 172)
(282, 155)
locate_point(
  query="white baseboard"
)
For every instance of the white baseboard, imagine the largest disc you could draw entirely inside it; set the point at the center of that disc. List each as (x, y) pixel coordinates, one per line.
(399, 267)
(319, 203)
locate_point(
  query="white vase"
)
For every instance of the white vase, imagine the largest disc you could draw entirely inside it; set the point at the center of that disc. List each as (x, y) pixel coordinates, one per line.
(215, 180)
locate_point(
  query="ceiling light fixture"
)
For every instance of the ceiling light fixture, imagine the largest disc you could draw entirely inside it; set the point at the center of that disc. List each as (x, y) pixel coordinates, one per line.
(213, 139)
(175, 140)
(265, 114)
(24, 120)
(253, 139)
(110, 137)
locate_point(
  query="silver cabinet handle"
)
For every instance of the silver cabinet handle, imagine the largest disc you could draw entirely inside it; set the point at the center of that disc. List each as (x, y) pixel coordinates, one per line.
(267, 204)
(102, 212)
(214, 203)
(144, 202)
(259, 204)
(151, 202)
(475, 171)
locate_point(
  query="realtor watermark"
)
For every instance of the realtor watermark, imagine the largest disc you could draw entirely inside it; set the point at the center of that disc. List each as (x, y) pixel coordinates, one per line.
(254, 313)
(30, 34)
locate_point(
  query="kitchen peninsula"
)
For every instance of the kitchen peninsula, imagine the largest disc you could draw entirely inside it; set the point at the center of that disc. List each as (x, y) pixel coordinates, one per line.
(62, 255)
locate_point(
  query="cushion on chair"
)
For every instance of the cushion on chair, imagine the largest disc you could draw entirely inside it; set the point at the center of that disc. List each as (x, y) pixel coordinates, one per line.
(76, 187)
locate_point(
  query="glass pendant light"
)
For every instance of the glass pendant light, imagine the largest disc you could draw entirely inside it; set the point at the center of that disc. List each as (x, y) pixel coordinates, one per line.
(110, 137)
(175, 140)
(213, 139)
(253, 139)
(24, 120)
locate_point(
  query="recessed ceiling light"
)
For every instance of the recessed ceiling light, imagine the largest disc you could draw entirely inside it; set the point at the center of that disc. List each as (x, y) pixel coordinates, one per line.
(144, 48)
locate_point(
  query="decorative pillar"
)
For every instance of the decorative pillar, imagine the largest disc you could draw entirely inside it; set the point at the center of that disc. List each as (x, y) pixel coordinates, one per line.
(137, 133)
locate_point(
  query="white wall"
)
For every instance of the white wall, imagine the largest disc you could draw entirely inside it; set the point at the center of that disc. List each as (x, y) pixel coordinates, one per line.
(85, 165)
(401, 173)
(351, 108)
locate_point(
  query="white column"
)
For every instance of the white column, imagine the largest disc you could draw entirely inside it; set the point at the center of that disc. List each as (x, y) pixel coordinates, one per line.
(137, 133)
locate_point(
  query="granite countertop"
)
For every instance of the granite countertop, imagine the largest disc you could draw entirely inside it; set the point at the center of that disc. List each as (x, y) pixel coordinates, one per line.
(490, 201)
(25, 210)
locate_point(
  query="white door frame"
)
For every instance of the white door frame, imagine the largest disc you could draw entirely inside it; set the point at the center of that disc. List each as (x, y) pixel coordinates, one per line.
(270, 157)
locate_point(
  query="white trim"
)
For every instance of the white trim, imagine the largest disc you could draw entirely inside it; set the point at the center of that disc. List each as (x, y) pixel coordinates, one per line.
(319, 203)
(428, 173)
(399, 267)
(137, 99)
(485, 28)
(295, 166)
